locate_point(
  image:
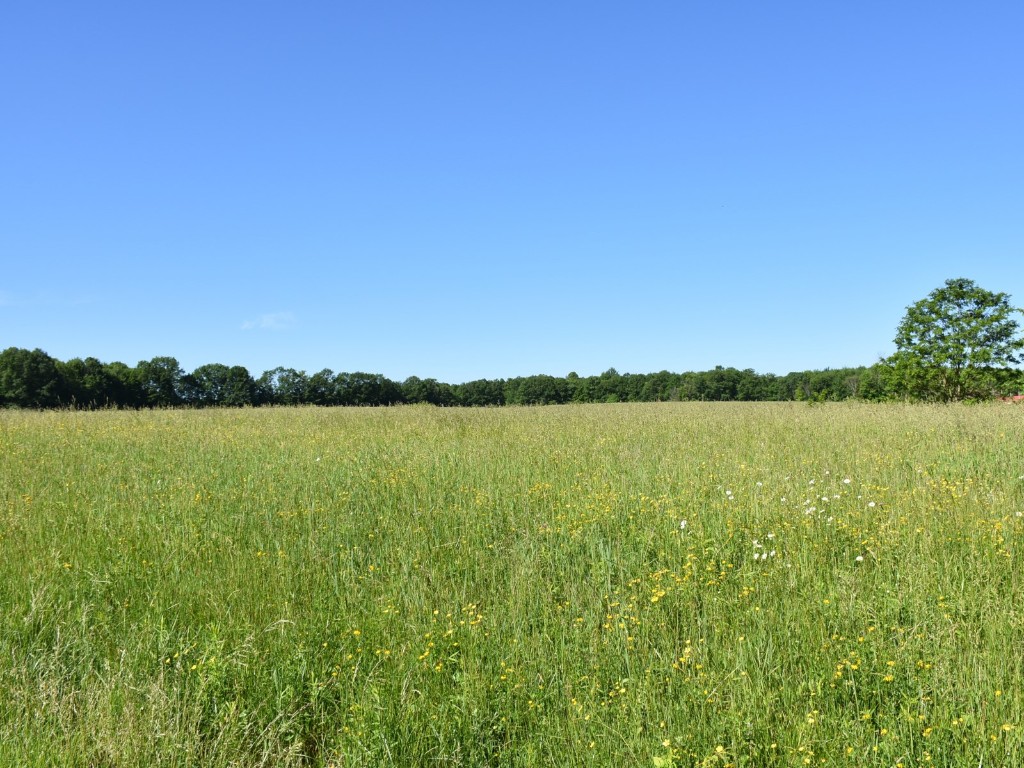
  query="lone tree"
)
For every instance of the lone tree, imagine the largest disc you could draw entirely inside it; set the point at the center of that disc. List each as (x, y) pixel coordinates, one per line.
(959, 343)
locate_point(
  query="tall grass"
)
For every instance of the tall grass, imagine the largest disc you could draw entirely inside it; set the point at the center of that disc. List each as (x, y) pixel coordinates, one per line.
(657, 584)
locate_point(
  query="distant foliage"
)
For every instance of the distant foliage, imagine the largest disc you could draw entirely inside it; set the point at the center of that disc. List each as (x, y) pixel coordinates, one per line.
(30, 379)
(33, 379)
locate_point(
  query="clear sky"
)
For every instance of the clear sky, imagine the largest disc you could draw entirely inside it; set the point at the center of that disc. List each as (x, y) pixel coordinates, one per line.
(483, 190)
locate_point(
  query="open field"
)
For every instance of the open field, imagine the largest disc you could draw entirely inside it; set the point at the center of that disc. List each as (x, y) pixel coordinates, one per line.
(650, 585)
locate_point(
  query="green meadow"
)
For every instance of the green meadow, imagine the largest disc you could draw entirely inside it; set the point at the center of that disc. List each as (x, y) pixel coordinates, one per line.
(674, 584)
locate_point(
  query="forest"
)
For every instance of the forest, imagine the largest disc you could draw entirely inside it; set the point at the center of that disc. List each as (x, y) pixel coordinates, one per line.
(34, 379)
(960, 343)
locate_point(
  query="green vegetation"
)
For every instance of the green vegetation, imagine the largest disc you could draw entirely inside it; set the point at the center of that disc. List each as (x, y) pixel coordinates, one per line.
(33, 379)
(666, 584)
(959, 343)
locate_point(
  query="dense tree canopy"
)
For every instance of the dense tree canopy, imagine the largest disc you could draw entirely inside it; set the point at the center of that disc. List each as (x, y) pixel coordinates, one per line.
(160, 381)
(30, 379)
(959, 343)
(33, 379)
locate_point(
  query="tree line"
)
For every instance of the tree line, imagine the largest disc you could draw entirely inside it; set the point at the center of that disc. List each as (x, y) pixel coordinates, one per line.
(34, 379)
(961, 342)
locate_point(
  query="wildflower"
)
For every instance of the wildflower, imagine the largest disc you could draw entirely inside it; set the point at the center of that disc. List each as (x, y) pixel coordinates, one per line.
(871, 504)
(859, 558)
(846, 481)
(682, 525)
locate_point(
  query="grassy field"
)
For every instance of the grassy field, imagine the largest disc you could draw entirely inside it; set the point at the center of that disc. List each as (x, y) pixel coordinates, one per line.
(650, 585)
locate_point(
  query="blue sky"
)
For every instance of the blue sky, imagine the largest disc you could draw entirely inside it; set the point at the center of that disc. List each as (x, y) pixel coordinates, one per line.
(475, 190)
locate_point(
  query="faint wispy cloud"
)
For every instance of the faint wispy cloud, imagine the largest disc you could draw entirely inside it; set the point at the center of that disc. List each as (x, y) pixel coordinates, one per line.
(275, 321)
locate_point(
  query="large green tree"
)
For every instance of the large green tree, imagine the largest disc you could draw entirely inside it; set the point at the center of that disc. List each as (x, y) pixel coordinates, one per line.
(959, 343)
(283, 386)
(161, 381)
(30, 379)
(89, 383)
(218, 384)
